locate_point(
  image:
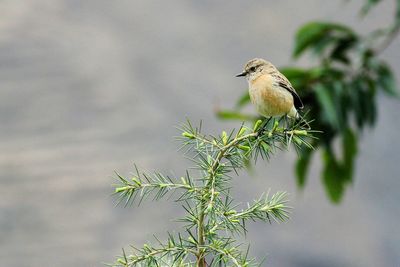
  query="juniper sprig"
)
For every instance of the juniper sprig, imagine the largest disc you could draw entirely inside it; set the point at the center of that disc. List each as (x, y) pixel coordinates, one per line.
(212, 219)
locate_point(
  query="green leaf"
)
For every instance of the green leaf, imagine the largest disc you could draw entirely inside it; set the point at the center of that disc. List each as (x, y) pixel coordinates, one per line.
(331, 175)
(338, 89)
(318, 35)
(370, 100)
(243, 100)
(386, 80)
(292, 72)
(302, 164)
(357, 99)
(234, 115)
(397, 23)
(341, 48)
(326, 102)
(362, 96)
(349, 146)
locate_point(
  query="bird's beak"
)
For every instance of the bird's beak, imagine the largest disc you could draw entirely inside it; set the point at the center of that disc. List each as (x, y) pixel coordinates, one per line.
(244, 73)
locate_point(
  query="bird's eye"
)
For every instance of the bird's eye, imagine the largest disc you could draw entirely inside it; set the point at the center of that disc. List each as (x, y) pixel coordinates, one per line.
(253, 69)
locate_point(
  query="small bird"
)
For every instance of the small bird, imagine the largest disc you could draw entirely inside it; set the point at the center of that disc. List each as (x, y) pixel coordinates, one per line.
(270, 91)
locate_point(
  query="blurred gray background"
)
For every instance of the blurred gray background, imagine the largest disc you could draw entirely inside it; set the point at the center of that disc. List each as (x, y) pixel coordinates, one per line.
(89, 87)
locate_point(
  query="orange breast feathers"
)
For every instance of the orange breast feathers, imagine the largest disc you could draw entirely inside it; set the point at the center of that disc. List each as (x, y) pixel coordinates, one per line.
(269, 98)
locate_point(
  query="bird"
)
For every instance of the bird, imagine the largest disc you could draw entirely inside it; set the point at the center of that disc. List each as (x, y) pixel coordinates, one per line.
(270, 91)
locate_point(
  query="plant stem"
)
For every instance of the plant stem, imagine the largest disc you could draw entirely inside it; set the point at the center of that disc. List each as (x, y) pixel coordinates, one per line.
(389, 39)
(201, 261)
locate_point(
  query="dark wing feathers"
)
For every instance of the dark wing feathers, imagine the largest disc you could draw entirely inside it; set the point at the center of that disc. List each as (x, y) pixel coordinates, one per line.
(284, 83)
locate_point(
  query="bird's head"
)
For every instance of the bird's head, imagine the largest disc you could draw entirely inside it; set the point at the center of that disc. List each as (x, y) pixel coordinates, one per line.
(254, 68)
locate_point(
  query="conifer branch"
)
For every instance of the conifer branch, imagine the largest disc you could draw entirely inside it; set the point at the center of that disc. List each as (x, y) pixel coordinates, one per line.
(210, 210)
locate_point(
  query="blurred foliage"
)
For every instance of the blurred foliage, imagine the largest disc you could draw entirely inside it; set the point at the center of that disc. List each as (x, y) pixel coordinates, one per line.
(339, 93)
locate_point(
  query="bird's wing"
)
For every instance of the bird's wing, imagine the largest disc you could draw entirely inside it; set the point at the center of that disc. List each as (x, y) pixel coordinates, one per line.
(284, 83)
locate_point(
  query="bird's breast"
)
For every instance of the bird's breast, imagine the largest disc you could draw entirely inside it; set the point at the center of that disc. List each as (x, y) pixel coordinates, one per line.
(268, 97)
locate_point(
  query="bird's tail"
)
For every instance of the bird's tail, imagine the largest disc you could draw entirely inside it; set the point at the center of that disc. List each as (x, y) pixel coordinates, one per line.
(293, 113)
